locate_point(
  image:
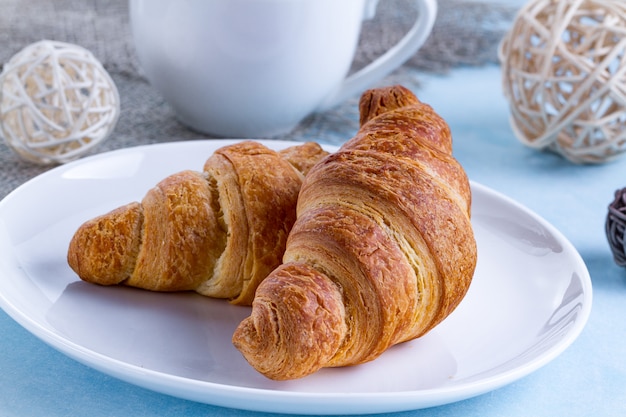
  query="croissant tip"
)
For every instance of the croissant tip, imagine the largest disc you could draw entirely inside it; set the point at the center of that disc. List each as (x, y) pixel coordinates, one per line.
(377, 101)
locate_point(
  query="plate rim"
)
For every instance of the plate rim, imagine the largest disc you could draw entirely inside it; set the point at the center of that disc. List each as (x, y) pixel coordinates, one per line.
(264, 400)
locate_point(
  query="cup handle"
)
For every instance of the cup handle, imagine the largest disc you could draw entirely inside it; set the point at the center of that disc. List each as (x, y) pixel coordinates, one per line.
(390, 60)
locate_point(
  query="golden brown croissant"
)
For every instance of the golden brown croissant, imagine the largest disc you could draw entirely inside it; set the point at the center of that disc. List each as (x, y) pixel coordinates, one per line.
(381, 252)
(218, 232)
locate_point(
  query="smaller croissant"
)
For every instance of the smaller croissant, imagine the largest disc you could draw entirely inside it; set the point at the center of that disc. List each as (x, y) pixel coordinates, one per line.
(381, 252)
(218, 232)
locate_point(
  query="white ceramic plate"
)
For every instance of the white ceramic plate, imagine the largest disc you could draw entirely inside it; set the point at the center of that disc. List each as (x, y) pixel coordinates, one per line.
(530, 298)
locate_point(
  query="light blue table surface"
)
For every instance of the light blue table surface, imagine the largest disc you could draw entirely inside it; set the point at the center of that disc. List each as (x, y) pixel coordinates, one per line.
(588, 379)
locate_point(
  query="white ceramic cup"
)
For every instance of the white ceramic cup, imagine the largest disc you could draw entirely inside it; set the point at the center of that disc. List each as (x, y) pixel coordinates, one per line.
(256, 68)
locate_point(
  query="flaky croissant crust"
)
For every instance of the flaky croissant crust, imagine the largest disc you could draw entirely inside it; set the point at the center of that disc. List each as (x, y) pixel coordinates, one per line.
(381, 252)
(218, 232)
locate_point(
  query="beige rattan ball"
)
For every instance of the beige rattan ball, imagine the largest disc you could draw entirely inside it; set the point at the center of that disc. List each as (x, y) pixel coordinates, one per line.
(563, 70)
(56, 102)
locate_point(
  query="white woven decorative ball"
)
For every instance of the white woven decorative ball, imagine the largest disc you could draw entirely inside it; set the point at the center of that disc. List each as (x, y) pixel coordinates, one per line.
(564, 75)
(56, 102)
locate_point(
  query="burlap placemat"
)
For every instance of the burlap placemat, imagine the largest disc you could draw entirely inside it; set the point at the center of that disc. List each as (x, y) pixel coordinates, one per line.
(465, 33)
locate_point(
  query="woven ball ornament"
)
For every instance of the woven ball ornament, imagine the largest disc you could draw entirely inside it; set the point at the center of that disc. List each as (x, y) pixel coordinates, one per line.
(615, 227)
(56, 102)
(564, 75)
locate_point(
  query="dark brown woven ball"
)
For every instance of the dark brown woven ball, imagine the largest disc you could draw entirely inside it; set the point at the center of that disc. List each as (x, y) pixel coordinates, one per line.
(616, 225)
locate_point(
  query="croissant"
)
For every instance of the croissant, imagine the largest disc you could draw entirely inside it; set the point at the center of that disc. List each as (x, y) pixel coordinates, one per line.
(218, 232)
(381, 252)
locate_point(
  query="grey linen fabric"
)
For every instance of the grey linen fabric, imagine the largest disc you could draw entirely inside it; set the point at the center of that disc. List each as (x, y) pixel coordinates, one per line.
(465, 33)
